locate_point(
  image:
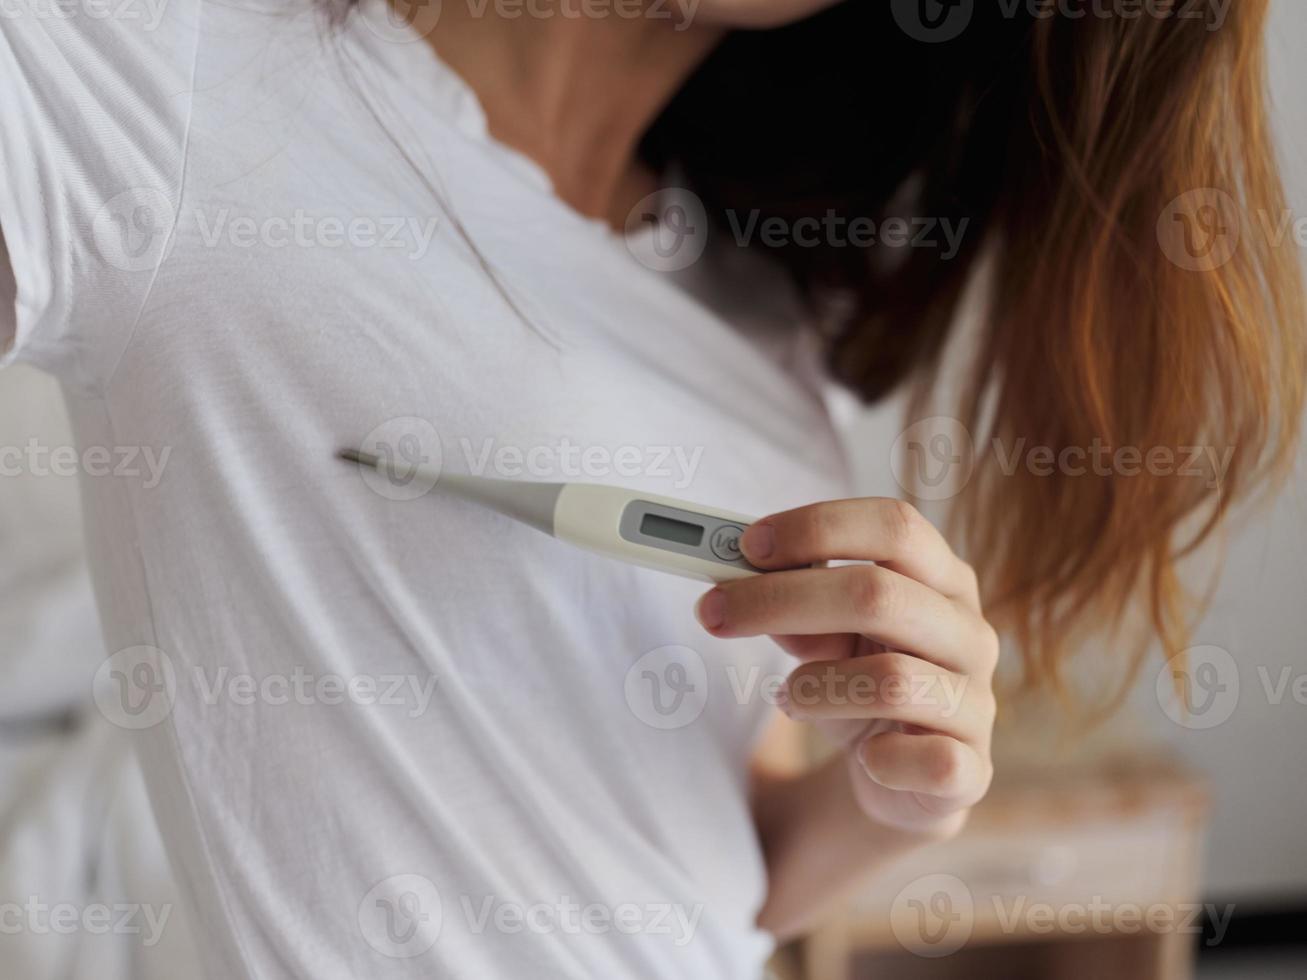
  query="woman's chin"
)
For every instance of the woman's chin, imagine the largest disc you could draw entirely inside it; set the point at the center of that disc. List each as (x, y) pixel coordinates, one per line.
(756, 14)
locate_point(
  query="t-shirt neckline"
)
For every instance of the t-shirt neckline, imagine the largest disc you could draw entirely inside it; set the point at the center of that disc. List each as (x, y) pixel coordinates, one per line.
(427, 83)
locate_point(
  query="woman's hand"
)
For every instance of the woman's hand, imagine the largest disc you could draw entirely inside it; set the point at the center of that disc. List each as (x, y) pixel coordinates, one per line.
(898, 658)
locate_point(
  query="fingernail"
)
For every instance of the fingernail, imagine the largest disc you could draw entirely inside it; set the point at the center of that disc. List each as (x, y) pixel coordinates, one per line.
(758, 541)
(711, 609)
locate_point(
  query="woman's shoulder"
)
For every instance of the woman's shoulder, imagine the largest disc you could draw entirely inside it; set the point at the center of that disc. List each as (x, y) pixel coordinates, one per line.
(96, 107)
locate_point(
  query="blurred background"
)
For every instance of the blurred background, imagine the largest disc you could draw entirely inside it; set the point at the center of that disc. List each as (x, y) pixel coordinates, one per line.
(1158, 807)
(1163, 844)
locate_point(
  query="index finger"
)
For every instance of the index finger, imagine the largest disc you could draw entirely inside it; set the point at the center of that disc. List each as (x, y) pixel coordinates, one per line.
(889, 532)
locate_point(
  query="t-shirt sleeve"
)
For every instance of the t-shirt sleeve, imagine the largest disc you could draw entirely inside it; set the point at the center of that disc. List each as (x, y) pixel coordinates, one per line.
(94, 109)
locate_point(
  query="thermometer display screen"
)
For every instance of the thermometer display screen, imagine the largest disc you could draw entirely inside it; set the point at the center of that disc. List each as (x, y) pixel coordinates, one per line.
(668, 529)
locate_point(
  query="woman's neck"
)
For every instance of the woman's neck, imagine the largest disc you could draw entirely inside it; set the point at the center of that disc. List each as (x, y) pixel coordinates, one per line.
(575, 94)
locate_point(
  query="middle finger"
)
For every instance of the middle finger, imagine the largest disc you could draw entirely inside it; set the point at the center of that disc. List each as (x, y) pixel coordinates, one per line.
(875, 602)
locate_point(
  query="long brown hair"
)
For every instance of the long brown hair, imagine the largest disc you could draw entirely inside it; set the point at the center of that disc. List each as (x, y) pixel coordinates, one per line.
(1080, 152)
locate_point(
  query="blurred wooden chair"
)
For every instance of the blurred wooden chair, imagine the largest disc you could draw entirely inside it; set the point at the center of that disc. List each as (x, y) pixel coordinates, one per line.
(1077, 865)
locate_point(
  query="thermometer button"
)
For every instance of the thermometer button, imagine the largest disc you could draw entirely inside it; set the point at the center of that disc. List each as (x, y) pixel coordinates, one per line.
(725, 542)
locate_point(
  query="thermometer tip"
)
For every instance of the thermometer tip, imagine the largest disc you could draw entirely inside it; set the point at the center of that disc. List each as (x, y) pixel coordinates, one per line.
(357, 456)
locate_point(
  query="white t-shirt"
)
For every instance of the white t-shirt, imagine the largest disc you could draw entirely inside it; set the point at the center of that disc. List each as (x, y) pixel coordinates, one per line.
(388, 734)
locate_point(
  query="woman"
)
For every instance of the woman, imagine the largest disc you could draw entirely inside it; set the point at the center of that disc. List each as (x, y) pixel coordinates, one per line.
(389, 735)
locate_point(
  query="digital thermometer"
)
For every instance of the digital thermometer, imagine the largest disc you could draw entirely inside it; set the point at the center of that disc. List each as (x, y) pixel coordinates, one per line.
(638, 528)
